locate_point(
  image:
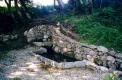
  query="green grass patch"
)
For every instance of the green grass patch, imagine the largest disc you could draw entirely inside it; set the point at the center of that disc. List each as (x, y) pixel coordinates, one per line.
(5, 9)
(97, 29)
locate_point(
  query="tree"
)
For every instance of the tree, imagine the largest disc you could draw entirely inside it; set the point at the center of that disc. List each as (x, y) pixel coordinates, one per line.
(61, 4)
(101, 2)
(8, 3)
(16, 4)
(80, 6)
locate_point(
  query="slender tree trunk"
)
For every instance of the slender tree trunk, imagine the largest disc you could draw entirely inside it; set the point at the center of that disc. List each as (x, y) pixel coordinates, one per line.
(25, 9)
(61, 4)
(92, 6)
(54, 3)
(89, 7)
(8, 3)
(81, 2)
(101, 2)
(23, 4)
(16, 4)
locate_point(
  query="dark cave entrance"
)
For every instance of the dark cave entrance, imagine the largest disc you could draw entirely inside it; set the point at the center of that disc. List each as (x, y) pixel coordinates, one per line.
(58, 57)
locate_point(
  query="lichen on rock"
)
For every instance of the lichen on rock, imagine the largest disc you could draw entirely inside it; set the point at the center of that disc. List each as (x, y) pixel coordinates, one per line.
(65, 45)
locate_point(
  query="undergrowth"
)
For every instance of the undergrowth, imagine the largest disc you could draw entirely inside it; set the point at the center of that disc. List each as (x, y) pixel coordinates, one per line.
(101, 28)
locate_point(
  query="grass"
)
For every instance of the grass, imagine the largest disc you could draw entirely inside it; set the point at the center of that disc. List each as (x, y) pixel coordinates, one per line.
(98, 28)
(112, 77)
(16, 78)
(5, 9)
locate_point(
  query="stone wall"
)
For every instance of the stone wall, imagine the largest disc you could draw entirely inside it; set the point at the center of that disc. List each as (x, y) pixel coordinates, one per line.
(64, 44)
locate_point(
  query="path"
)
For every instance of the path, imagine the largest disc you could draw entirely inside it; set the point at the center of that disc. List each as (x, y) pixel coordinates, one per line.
(22, 65)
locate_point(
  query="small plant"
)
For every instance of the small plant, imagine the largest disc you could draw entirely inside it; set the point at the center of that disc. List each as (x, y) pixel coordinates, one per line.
(16, 78)
(108, 77)
(103, 28)
(112, 76)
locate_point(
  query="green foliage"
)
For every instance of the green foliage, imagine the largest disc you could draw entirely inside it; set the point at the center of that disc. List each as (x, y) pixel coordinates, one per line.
(17, 43)
(118, 42)
(5, 47)
(16, 78)
(3, 54)
(111, 77)
(108, 77)
(101, 28)
(5, 10)
(120, 78)
(3, 50)
(97, 33)
(109, 17)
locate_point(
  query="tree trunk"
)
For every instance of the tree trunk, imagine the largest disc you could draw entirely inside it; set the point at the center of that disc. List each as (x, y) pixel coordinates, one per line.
(101, 2)
(16, 4)
(61, 4)
(23, 4)
(25, 9)
(54, 3)
(8, 3)
(91, 6)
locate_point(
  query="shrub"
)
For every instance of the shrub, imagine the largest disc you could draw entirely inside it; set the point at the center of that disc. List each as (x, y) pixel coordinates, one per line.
(118, 42)
(94, 32)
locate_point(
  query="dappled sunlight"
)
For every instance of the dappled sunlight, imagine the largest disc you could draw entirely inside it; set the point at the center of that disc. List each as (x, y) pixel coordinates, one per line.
(29, 69)
(15, 74)
(60, 39)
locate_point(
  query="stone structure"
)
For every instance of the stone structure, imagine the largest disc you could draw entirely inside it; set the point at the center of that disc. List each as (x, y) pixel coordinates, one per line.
(4, 37)
(64, 44)
(41, 33)
(69, 65)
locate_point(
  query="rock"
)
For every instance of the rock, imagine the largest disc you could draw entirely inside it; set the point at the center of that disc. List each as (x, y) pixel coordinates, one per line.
(92, 53)
(100, 53)
(25, 33)
(119, 60)
(86, 77)
(79, 64)
(110, 58)
(111, 65)
(86, 50)
(67, 65)
(104, 60)
(57, 49)
(41, 51)
(104, 69)
(102, 49)
(92, 46)
(62, 43)
(112, 52)
(38, 33)
(111, 62)
(121, 66)
(68, 46)
(5, 37)
(14, 36)
(65, 50)
(41, 44)
(78, 50)
(78, 56)
(46, 36)
(90, 58)
(98, 61)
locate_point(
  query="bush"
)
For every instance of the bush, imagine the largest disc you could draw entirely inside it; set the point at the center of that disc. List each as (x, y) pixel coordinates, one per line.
(94, 32)
(118, 42)
(109, 17)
